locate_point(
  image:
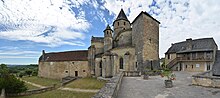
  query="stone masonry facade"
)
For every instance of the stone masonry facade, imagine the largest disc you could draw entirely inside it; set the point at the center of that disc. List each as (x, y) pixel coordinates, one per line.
(192, 55)
(127, 47)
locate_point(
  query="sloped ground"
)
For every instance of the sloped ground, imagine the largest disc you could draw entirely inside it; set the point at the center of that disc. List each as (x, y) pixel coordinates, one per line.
(136, 87)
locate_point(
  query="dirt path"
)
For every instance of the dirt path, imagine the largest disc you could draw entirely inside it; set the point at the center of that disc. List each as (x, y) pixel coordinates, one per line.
(79, 90)
(31, 83)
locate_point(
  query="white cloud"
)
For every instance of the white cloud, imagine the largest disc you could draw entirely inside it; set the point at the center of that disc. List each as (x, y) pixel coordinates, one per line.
(29, 19)
(16, 57)
(13, 54)
(180, 19)
(131, 7)
(16, 52)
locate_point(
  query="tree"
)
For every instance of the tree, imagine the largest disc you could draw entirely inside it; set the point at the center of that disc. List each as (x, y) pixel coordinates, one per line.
(3, 71)
(28, 72)
(9, 82)
(34, 73)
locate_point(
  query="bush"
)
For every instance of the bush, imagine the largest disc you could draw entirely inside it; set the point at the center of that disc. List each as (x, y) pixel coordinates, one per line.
(168, 73)
(28, 72)
(10, 82)
(34, 73)
(12, 85)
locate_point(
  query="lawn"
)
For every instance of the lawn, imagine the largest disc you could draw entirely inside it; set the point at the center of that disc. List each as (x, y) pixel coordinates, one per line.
(59, 94)
(30, 87)
(41, 81)
(86, 83)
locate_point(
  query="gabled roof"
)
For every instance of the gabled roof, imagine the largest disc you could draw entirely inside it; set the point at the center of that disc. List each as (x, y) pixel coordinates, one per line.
(145, 13)
(80, 55)
(122, 15)
(97, 39)
(204, 44)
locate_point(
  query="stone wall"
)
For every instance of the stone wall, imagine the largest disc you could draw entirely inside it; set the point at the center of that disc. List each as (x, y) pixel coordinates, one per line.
(58, 70)
(206, 79)
(98, 67)
(124, 39)
(172, 56)
(195, 66)
(145, 38)
(111, 88)
(128, 59)
(120, 25)
(106, 66)
(99, 47)
(91, 59)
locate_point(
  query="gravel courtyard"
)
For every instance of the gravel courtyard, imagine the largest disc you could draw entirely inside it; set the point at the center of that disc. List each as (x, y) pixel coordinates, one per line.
(136, 87)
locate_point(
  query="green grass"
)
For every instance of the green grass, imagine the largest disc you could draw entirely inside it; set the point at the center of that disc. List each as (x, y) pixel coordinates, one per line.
(86, 83)
(59, 94)
(42, 81)
(30, 87)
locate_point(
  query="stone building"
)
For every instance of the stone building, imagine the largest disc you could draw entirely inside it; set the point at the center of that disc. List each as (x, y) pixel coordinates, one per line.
(192, 55)
(127, 47)
(62, 64)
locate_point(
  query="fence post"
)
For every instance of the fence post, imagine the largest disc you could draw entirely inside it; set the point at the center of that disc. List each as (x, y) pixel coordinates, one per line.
(2, 93)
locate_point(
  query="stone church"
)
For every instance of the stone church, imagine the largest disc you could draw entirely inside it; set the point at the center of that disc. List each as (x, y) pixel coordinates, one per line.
(129, 46)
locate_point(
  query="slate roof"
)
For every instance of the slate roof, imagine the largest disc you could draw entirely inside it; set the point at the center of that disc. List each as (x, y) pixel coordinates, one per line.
(108, 28)
(122, 15)
(216, 65)
(145, 13)
(80, 55)
(204, 44)
(97, 39)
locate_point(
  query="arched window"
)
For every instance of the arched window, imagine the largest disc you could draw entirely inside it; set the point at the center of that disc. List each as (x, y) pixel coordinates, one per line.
(124, 23)
(118, 23)
(121, 63)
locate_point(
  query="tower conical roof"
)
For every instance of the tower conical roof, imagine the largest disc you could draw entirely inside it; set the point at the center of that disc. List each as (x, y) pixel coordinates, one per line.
(108, 28)
(122, 15)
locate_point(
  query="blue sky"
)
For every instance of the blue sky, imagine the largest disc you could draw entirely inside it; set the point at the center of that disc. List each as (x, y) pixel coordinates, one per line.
(29, 26)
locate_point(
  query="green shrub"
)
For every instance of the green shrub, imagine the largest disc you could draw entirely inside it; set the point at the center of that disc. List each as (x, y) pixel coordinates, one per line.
(9, 82)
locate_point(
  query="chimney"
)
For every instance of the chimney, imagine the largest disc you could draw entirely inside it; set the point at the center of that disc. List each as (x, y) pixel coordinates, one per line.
(189, 39)
(189, 43)
(43, 53)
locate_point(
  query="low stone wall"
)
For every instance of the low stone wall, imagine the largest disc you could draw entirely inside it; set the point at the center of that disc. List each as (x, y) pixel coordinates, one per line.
(206, 79)
(111, 88)
(132, 73)
(67, 80)
(34, 91)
